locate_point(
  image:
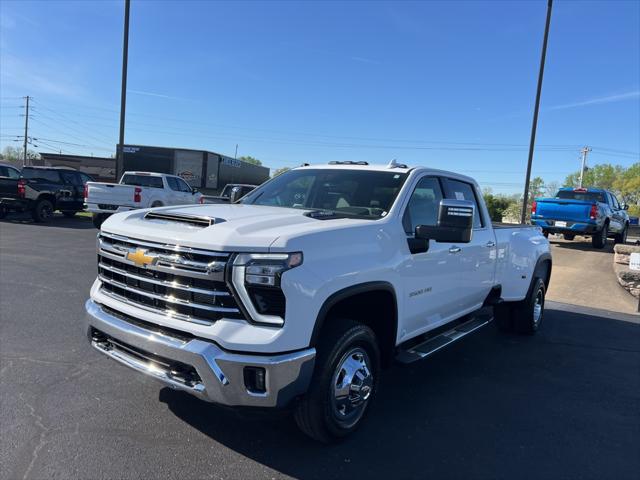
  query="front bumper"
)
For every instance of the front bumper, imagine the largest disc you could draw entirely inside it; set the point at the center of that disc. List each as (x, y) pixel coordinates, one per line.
(197, 366)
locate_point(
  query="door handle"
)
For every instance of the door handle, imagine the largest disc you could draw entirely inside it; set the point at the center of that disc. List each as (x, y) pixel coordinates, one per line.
(455, 250)
(490, 244)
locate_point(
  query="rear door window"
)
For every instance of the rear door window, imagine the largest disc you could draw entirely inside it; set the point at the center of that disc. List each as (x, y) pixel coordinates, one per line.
(182, 185)
(173, 184)
(457, 190)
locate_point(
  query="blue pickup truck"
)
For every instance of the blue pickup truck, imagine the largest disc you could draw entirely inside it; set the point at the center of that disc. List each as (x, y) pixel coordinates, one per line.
(582, 211)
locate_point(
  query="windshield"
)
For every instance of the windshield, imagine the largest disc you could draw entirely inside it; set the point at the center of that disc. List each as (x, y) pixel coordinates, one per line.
(583, 196)
(353, 193)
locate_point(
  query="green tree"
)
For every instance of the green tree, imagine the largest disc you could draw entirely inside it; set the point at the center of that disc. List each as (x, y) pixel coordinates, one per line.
(15, 155)
(497, 204)
(252, 160)
(603, 175)
(279, 171)
(536, 188)
(628, 184)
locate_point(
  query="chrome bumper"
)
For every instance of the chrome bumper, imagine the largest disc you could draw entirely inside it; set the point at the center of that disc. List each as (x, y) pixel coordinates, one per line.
(220, 374)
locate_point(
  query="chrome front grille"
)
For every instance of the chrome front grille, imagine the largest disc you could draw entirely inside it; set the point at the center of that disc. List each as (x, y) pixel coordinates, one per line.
(181, 282)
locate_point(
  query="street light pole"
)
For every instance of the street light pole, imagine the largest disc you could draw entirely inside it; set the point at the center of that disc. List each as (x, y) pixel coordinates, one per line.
(123, 93)
(535, 113)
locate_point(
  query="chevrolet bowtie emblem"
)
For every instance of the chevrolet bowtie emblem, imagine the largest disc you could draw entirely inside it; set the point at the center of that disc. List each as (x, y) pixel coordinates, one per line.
(140, 257)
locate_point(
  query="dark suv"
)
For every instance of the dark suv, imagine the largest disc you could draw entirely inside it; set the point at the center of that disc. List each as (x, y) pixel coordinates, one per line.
(43, 190)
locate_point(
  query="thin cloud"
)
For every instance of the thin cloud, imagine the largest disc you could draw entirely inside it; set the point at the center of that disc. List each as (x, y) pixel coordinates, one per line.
(153, 94)
(599, 100)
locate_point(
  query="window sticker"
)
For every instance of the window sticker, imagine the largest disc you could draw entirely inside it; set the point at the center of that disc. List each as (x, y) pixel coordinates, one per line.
(459, 195)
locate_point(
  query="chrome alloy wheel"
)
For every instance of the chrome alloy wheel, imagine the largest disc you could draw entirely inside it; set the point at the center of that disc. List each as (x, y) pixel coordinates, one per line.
(538, 308)
(352, 386)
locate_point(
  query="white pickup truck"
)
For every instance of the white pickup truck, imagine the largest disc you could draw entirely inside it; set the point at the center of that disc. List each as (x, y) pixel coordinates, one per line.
(298, 295)
(137, 190)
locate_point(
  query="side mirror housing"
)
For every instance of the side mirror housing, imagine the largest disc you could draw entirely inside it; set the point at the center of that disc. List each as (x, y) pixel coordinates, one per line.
(194, 191)
(625, 206)
(455, 223)
(236, 194)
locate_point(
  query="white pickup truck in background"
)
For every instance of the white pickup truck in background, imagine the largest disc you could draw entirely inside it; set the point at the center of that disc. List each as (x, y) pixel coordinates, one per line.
(300, 293)
(137, 190)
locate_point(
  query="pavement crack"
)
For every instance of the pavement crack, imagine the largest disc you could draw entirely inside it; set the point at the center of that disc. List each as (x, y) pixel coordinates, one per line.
(41, 439)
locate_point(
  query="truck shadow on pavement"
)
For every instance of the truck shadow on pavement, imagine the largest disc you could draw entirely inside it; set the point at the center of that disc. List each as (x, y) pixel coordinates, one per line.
(58, 220)
(563, 403)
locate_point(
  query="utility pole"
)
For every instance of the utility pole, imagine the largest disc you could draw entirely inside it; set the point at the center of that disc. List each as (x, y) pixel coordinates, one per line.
(236, 156)
(123, 93)
(584, 152)
(26, 130)
(534, 125)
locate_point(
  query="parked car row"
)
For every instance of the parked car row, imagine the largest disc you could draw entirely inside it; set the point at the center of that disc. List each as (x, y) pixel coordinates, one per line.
(41, 191)
(44, 190)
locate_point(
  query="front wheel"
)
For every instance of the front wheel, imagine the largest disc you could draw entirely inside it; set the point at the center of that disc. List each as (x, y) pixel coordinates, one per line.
(42, 211)
(3, 212)
(344, 382)
(599, 239)
(568, 236)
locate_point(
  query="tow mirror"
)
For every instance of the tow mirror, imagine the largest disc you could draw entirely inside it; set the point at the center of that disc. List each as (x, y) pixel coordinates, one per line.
(625, 206)
(235, 195)
(455, 223)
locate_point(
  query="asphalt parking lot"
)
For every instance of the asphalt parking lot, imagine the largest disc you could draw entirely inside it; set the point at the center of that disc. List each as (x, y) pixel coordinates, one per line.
(562, 404)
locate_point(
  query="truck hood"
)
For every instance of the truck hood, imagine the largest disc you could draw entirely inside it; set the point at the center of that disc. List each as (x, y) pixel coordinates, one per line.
(236, 227)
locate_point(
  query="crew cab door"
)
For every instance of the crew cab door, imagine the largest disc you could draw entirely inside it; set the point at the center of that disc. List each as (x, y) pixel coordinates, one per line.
(618, 215)
(431, 279)
(478, 257)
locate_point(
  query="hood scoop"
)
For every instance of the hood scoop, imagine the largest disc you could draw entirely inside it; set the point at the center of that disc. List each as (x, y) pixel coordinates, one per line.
(194, 220)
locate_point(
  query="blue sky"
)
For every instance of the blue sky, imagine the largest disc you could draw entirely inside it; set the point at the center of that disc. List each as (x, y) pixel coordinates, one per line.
(444, 84)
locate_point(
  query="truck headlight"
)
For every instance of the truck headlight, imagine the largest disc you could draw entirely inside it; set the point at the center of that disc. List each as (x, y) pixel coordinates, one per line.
(265, 269)
(256, 278)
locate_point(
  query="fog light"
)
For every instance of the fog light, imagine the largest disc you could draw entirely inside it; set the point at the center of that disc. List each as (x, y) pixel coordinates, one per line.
(255, 379)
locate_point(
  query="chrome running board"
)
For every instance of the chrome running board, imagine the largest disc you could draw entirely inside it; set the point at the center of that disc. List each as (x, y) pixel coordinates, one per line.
(433, 344)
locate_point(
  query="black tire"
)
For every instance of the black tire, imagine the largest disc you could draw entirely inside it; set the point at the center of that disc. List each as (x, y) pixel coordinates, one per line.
(522, 317)
(319, 414)
(97, 219)
(3, 212)
(69, 213)
(599, 239)
(157, 205)
(622, 236)
(546, 234)
(528, 314)
(42, 211)
(568, 236)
